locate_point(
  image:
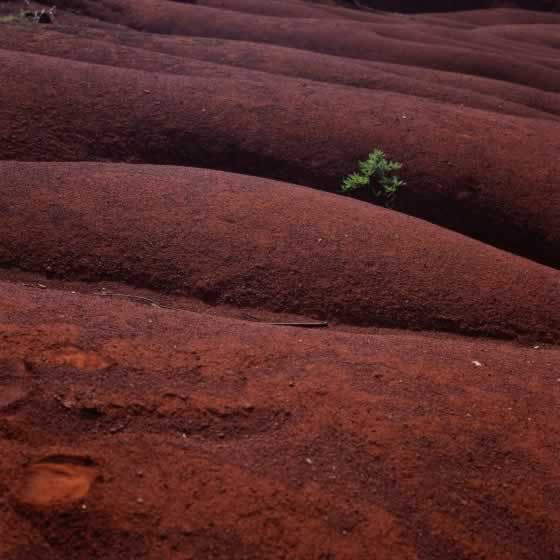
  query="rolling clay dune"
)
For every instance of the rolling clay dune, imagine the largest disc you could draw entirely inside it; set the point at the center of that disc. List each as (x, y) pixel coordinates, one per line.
(503, 192)
(257, 243)
(207, 351)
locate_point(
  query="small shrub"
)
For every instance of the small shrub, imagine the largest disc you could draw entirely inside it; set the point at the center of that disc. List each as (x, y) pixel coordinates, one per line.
(377, 175)
(44, 15)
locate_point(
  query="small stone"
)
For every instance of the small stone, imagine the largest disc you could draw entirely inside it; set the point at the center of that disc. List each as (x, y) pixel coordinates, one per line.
(116, 429)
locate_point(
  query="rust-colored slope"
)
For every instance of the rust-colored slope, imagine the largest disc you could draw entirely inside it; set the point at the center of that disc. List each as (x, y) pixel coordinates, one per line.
(143, 433)
(131, 428)
(502, 190)
(256, 243)
(340, 37)
(241, 60)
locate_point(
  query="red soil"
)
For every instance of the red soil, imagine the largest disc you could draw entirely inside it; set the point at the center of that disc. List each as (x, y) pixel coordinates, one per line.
(203, 57)
(255, 243)
(503, 191)
(153, 404)
(183, 436)
(336, 36)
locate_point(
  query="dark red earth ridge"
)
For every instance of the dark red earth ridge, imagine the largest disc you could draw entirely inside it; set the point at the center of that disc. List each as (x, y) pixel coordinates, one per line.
(207, 352)
(250, 242)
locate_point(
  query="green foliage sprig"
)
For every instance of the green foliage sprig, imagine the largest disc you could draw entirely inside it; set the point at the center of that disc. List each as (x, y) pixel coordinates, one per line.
(377, 174)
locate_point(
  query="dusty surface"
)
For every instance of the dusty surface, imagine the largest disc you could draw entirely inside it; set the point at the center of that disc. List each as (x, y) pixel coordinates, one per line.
(279, 97)
(257, 243)
(217, 438)
(153, 402)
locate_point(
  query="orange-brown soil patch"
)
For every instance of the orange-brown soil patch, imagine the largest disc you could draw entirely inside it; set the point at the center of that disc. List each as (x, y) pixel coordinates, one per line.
(154, 404)
(218, 438)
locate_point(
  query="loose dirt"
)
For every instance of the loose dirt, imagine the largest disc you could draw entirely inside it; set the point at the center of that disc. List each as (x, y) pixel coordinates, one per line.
(169, 202)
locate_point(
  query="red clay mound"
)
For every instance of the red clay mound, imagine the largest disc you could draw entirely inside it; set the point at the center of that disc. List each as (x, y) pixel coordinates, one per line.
(498, 17)
(543, 35)
(203, 57)
(278, 8)
(139, 422)
(491, 176)
(335, 36)
(133, 432)
(250, 242)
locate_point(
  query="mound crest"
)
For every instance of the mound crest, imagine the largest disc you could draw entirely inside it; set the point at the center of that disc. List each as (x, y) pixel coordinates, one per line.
(486, 175)
(257, 243)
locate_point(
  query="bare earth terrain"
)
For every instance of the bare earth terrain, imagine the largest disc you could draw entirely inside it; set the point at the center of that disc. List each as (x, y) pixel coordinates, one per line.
(208, 352)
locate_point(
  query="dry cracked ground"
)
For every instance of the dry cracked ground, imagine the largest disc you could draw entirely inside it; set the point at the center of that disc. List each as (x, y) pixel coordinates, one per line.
(208, 352)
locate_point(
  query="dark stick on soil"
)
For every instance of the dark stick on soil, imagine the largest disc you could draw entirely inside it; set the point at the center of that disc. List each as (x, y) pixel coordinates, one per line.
(148, 301)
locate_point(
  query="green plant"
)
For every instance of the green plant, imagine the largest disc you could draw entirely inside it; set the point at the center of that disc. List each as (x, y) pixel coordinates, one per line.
(44, 15)
(377, 173)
